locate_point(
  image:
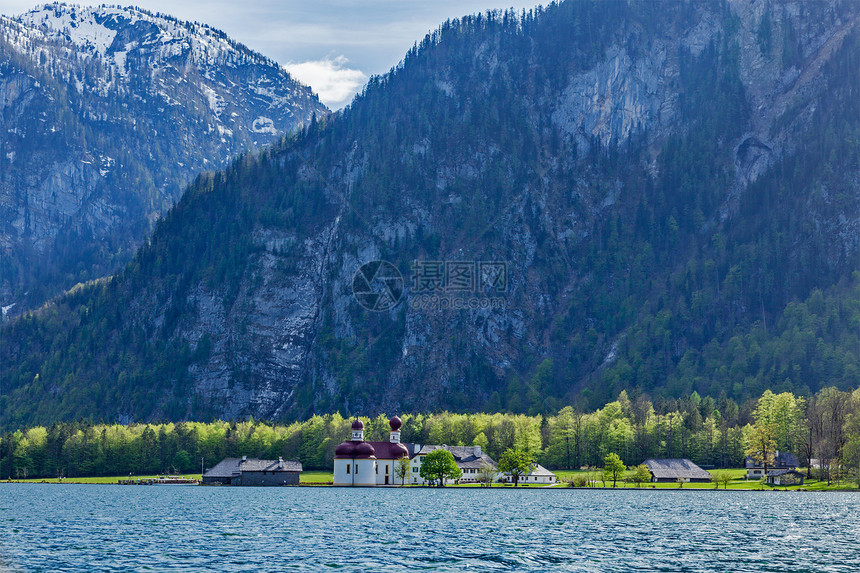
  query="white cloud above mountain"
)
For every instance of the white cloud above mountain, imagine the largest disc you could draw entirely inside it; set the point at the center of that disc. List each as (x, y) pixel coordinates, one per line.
(331, 78)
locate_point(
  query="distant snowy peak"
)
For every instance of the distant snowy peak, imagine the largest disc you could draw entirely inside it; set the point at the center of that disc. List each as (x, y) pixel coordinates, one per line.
(92, 30)
(151, 54)
(106, 31)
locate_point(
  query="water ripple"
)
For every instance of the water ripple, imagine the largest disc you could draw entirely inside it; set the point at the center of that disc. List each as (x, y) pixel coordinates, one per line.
(111, 528)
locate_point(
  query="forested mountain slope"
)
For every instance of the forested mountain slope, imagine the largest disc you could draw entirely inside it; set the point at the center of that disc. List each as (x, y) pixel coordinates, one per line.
(672, 188)
(106, 114)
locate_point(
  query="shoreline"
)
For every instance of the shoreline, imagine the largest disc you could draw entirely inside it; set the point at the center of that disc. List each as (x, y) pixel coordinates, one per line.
(463, 487)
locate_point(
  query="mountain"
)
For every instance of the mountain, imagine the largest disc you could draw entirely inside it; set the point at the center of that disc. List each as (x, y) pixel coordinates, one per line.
(106, 115)
(669, 192)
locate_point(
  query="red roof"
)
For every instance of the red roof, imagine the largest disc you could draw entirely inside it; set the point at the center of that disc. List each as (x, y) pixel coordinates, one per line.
(389, 451)
(381, 450)
(364, 450)
(345, 450)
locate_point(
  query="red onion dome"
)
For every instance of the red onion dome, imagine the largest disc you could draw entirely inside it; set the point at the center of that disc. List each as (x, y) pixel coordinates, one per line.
(398, 451)
(395, 423)
(346, 450)
(364, 450)
(358, 425)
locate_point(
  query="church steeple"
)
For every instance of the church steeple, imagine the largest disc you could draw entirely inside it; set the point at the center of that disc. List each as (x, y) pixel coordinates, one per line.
(394, 435)
(358, 431)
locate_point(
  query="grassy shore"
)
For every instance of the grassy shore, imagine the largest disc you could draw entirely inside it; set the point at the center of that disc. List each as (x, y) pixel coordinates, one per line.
(738, 482)
(307, 478)
(95, 480)
(324, 478)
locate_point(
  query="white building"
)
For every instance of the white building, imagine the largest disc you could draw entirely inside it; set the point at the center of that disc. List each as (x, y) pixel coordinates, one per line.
(360, 463)
(781, 461)
(470, 460)
(537, 475)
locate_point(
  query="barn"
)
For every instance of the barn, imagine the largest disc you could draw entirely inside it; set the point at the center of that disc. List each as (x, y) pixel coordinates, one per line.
(251, 471)
(674, 469)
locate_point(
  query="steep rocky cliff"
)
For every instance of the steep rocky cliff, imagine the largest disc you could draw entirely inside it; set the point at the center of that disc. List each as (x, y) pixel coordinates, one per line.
(106, 114)
(592, 197)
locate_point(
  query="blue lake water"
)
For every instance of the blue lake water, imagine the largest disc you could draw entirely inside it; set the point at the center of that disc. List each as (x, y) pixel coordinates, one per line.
(176, 528)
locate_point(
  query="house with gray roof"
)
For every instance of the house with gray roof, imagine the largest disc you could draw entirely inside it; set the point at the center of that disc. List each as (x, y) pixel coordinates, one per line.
(781, 461)
(674, 469)
(784, 477)
(537, 475)
(253, 472)
(470, 460)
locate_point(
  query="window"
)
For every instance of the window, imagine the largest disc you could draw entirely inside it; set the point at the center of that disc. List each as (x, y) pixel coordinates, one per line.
(348, 467)
(415, 470)
(356, 468)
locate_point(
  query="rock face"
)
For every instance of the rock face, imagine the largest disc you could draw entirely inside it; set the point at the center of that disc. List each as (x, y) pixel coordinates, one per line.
(653, 178)
(106, 114)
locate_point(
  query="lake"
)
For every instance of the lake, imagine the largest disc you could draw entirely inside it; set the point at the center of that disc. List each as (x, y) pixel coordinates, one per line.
(187, 528)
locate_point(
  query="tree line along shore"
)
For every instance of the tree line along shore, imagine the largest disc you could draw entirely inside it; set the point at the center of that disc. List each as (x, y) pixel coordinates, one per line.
(823, 430)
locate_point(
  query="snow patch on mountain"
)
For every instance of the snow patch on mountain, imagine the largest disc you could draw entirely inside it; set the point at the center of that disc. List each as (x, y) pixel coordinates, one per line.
(76, 24)
(264, 125)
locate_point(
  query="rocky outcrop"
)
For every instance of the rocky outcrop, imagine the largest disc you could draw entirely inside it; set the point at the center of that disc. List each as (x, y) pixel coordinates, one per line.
(106, 114)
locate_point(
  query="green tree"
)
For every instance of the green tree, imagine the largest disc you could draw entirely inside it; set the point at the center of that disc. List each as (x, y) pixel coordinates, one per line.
(517, 463)
(851, 450)
(613, 468)
(439, 465)
(401, 469)
(761, 445)
(641, 474)
(182, 461)
(762, 438)
(788, 419)
(486, 475)
(721, 477)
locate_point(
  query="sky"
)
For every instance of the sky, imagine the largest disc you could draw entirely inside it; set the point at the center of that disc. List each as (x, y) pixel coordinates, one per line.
(332, 45)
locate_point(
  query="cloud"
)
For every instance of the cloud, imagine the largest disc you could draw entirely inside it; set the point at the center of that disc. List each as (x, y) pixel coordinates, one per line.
(330, 78)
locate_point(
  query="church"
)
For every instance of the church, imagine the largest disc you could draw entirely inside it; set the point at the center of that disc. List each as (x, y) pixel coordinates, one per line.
(360, 463)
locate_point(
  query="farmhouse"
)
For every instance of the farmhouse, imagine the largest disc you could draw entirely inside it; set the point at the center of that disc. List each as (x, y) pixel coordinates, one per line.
(674, 469)
(784, 477)
(470, 460)
(253, 472)
(781, 460)
(538, 474)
